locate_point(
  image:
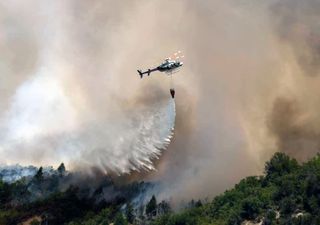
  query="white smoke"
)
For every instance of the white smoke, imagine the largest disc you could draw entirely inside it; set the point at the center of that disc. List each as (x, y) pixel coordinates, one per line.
(78, 99)
(44, 126)
(13, 173)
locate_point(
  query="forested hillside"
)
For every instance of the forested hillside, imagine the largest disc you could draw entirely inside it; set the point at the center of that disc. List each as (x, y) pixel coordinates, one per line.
(287, 193)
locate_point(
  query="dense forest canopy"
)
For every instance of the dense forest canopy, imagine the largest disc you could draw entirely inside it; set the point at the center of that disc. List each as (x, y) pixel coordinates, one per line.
(287, 193)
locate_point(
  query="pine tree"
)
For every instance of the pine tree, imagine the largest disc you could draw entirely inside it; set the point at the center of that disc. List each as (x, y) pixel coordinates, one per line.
(129, 213)
(164, 208)
(120, 220)
(61, 170)
(39, 174)
(151, 208)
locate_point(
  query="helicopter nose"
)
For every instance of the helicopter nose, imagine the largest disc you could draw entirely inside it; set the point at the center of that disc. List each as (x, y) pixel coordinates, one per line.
(181, 63)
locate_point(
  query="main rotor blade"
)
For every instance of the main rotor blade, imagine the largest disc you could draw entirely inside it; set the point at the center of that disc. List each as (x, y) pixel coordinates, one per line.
(176, 55)
(180, 57)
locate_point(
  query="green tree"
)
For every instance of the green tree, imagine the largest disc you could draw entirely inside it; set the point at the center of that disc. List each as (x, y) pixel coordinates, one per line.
(287, 206)
(61, 170)
(151, 208)
(250, 208)
(280, 164)
(129, 213)
(120, 220)
(164, 208)
(270, 217)
(39, 174)
(198, 203)
(5, 193)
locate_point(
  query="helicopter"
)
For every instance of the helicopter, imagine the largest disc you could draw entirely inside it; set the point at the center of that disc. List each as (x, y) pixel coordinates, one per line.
(169, 66)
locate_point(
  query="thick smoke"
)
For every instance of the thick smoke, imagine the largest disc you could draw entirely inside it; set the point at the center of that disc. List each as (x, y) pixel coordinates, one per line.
(296, 23)
(19, 52)
(294, 129)
(83, 111)
(51, 132)
(249, 86)
(294, 116)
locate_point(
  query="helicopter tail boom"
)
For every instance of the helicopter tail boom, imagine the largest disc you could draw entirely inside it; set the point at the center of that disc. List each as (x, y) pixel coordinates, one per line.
(146, 72)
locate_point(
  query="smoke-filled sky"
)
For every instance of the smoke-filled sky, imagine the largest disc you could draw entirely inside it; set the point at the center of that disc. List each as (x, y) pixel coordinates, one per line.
(248, 87)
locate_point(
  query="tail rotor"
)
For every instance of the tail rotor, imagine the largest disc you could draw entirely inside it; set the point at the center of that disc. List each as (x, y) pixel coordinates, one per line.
(140, 73)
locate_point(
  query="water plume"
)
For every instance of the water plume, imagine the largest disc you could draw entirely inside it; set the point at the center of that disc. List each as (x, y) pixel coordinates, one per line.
(44, 127)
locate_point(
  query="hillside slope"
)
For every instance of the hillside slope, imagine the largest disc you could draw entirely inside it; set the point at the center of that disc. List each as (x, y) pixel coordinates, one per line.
(288, 193)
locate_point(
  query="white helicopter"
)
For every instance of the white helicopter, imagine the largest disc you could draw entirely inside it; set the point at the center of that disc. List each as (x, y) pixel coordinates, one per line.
(169, 66)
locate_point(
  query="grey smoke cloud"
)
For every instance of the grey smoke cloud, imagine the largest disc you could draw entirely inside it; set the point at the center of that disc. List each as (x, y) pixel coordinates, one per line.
(296, 23)
(295, 130)
(246, 62)
(42, 126)
(19, 52)
(294, 115)
(75, 107)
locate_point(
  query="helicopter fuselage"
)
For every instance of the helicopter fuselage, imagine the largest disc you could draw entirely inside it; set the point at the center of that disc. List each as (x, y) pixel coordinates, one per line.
(167, 66)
